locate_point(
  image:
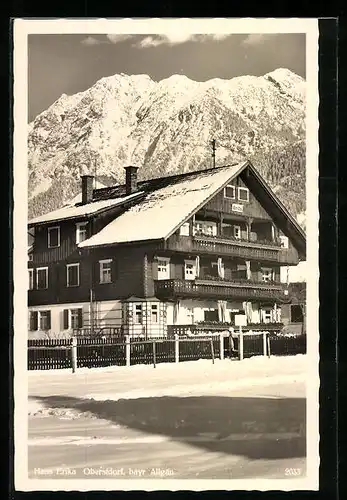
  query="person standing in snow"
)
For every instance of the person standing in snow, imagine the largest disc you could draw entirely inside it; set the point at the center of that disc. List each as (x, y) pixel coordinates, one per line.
(231, 340)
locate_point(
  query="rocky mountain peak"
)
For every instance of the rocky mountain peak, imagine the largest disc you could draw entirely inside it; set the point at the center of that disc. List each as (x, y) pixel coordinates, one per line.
(164, 127)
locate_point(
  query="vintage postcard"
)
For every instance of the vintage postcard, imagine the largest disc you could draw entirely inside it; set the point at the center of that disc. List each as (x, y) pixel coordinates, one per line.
(166, 254)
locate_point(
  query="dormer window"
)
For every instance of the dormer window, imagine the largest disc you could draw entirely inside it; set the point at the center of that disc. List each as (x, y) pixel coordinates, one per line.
(53, 237)
(81, 232)
(229, 192)
(243, 194)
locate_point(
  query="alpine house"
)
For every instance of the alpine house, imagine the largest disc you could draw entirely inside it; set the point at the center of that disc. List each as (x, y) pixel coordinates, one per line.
(167, 253)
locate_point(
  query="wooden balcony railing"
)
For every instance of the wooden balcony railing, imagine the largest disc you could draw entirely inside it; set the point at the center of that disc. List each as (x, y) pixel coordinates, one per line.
(222, 245)
(220, 289)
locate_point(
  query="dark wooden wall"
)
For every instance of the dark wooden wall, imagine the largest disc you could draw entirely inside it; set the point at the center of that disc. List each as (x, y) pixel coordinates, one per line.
(252, 208)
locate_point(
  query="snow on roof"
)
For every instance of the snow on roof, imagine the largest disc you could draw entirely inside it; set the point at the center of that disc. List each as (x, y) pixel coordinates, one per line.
(161, 211)
(74, 211)
(78, 197)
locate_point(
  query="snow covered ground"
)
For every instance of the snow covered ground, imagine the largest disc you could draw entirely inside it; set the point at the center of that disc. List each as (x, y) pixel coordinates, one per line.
(227, 420)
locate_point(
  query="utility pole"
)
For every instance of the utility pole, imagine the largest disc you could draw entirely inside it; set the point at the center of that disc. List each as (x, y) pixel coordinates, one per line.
(213, 152)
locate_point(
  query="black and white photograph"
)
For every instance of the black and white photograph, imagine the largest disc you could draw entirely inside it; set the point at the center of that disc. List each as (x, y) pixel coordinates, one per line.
(166, 254)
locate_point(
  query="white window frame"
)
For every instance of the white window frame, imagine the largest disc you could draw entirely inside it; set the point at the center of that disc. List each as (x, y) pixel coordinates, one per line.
(237, 229)
(80, 225)
(209, 225)
(267, 274)
(155, 310)
(193, 264)
(102, 281)
(234, 190)
(138, 308)
(284, 241)
(239, 190)
(49, 238)
(39, 317)
(203, 226)
(37, 280)
(68, 266)
(71, 316)
(269, 313)
(160, 273)
(31, 279)
(184, 229)
(196, 229)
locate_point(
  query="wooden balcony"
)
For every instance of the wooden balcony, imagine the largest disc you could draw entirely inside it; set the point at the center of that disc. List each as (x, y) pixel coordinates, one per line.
(220, 289)
(221, 245)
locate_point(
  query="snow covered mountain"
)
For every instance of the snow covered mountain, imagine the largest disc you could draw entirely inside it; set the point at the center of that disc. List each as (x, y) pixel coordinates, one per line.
(166, 127)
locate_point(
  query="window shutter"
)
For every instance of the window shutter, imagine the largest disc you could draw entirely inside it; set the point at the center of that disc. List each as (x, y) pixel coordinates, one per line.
(80, 312)
(49, 320)
(66, 319)
(33, 320)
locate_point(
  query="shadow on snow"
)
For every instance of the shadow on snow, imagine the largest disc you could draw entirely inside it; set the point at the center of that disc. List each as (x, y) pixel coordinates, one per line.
(258, 428)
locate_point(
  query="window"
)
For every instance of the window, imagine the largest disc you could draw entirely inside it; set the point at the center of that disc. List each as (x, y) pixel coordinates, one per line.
(190, 269)
(53, 237)
(229, 192)
(197, 228)
(266, 274)
(105, 270)
(218, 269)
(237, 232)
(40, 320)
(190, 315)
(81, 231)
(284, 241)
(204, 227)
(243, 194)
(210, 228)
(211, 315)
(42, 278)
(72, 274)
(72, 318)
(45, 320)
(154, 313)
(30, 257)
(163, 268)
(267, 315)
(138, 314)
(184, 229)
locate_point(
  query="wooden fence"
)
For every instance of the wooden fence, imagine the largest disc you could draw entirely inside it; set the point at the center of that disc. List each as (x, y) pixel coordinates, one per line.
(46, 354)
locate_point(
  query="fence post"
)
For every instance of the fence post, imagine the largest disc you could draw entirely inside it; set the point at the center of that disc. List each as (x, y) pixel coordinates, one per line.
(127, 350)
(221, 346)
(74, 354)
(212, 351)
(268, 346)
(177, 349)
(264, 343)
(154, 355)
(240, 344)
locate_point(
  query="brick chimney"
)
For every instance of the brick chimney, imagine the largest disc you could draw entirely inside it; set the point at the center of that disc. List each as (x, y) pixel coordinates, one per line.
(87, 188)
(130, 179)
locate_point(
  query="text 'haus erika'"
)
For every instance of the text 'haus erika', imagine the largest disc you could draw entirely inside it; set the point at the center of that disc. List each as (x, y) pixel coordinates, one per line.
(189, 249)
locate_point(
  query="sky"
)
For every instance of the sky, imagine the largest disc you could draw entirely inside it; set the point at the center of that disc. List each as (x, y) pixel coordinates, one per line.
(70, 63)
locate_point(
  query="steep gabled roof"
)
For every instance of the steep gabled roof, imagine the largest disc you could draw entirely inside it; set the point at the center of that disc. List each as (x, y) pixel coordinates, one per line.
(169, 201)
(161, 211)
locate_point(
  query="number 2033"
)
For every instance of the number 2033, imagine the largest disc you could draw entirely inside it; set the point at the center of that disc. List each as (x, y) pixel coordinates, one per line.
(292, 472)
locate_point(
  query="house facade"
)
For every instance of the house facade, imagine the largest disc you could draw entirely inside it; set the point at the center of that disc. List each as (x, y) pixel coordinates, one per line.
(191, 249)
